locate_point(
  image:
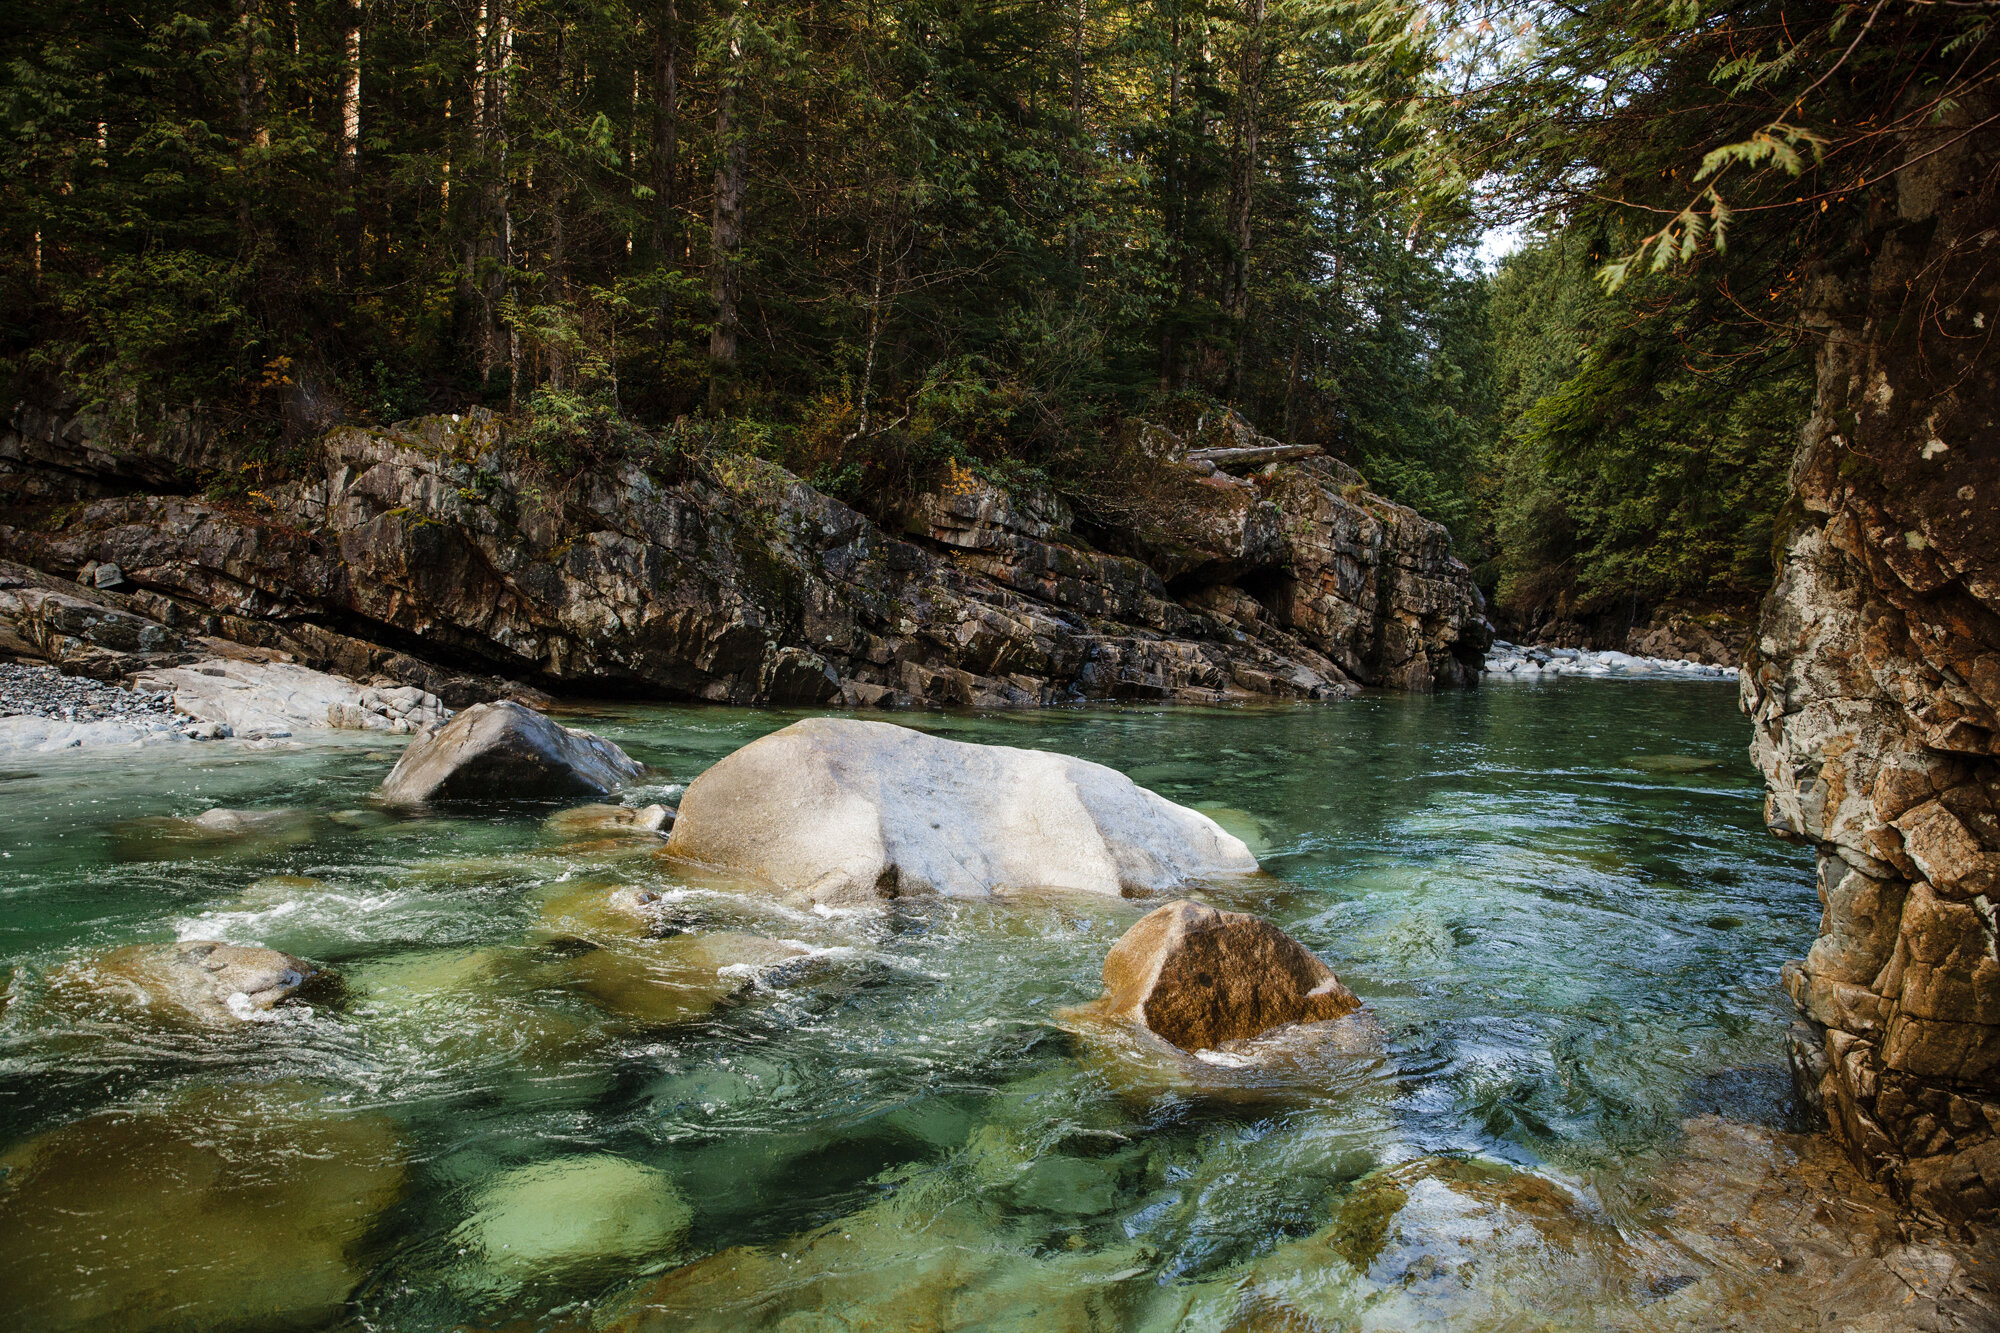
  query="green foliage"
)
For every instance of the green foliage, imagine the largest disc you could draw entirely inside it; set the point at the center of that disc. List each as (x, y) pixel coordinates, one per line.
(976, 235)
(1644, 439)
(567, 430)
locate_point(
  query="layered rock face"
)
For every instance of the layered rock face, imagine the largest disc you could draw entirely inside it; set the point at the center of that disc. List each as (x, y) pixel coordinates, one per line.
(725, 578)
(1874, 684)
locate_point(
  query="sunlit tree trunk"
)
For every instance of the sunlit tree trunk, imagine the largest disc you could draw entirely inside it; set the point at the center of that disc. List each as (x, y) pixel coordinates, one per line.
(1243, 187)
(726, 226)
(665, 161)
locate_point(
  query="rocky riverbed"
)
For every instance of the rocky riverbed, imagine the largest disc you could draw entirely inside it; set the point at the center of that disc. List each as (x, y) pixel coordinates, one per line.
(570, 1081)
(1507, 661)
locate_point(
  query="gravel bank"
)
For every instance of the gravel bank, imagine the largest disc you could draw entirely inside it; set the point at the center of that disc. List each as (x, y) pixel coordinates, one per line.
(42, 709)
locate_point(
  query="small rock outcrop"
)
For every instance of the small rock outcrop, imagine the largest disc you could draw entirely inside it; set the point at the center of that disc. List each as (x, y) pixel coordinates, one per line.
(268, 698)
(843, 811)
(215, 984)
(506, 752)
(1197, 978)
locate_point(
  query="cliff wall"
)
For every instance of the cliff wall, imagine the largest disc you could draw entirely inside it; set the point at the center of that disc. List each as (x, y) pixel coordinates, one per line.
(722, 577)
(1874, 686)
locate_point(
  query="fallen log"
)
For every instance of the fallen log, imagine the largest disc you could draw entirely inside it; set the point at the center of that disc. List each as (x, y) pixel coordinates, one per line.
(1268, 453)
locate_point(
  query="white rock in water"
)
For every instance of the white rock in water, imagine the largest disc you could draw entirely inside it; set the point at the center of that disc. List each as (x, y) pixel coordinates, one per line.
(848, 812)
(564, 1214)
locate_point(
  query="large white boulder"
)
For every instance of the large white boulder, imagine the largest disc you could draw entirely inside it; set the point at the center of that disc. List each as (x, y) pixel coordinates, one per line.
(846, 812)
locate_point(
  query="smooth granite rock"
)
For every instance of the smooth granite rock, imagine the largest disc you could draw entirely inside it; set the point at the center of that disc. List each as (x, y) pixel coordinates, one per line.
(839, 811)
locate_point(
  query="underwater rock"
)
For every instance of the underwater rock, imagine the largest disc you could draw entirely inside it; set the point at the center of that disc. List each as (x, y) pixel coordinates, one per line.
(848, 812)
(1738, 1228)
(919, 1260)
(1199, 978)
(237, 832)
(505, 751)
(218, 985)
(617, 820)
(222, 1210)
(1671, 763)
(556, 1217)
(678, 980)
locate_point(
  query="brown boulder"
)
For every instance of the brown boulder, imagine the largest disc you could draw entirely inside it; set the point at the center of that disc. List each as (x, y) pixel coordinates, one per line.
(1198, 977)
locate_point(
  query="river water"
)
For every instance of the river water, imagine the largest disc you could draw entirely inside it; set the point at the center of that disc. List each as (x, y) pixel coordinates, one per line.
(1557, 899)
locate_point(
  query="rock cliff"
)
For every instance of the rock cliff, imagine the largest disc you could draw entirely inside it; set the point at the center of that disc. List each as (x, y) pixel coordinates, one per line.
(1874, 685)
(721, 577)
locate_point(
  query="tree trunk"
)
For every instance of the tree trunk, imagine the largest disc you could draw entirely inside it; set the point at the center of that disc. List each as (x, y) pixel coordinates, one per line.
(1243, 187)
(250, 78)
(490, 252)
(665, 162)
(350, 100)
(726, 227)
(348, 165)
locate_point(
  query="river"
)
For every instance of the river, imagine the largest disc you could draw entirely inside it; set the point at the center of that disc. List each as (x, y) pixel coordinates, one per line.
(1558, 899)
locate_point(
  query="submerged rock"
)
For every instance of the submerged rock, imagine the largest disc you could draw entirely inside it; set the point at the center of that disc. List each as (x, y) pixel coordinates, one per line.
(209, 1213)
(1200, 978)
(215, 984)
(847, 812)
(678, 980)
(613, 820)
(506, 751)
(1671, 763)
(236, 832)
(921, 1259)
(554, 1218)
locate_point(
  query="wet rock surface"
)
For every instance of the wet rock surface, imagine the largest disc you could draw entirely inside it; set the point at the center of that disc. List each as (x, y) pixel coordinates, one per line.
(506, 752)
(557, 1217)
(1874, 686)
(202, 981)
(726, 578)
(839, 811)
(1199, 978)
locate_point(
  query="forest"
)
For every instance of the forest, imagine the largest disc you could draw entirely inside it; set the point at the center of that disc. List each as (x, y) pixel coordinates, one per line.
(870, 240)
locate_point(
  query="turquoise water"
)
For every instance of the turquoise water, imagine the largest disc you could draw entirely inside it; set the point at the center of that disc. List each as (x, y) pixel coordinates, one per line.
(1557, 899)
